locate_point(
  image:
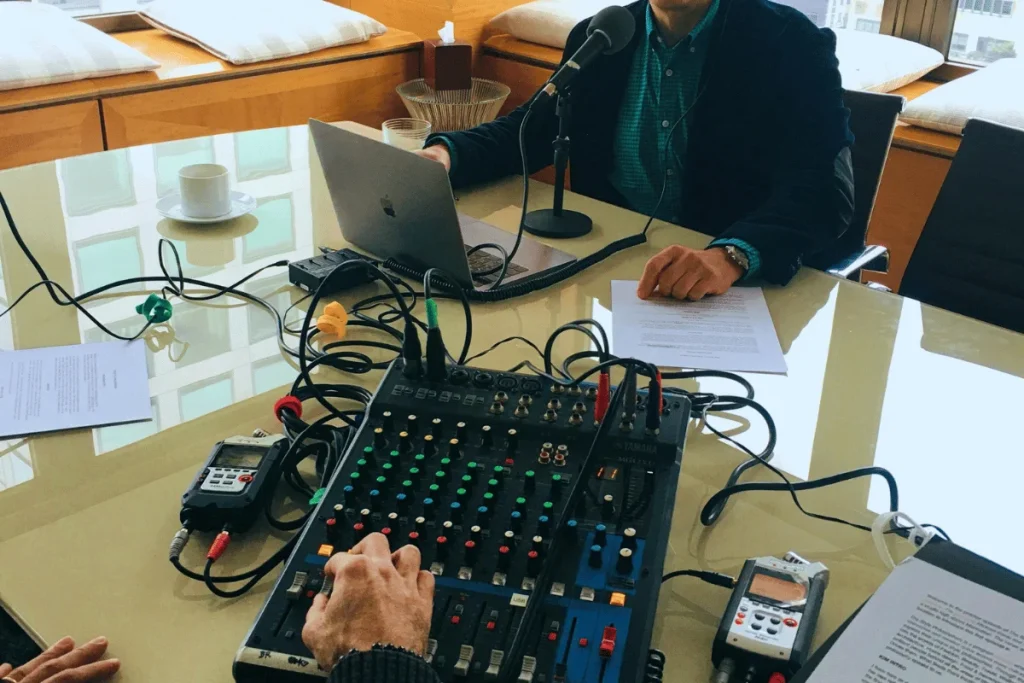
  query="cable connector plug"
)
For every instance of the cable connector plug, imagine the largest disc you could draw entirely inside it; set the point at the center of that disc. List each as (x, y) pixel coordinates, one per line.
(412, 352)
(436, 366)
(724, 672)
(603, 396)
(219, 545)
(178, 544)
(653, 419)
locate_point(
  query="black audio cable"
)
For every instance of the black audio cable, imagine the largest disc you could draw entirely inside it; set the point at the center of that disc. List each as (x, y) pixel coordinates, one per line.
(654, 671)
(714, 578)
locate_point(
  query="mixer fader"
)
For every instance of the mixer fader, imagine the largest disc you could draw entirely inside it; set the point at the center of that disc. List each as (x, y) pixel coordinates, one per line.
(477, 471)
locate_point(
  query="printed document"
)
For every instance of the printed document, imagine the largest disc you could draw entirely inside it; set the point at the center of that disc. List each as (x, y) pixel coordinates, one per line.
(732, 332)
(68, 387)
(928, 625)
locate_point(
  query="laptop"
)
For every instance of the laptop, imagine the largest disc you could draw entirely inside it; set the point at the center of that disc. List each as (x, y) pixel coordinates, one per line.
(398, 205)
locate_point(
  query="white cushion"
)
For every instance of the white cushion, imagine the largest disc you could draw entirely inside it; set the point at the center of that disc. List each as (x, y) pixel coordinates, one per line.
(548, 22)
(881, 63)
(40, 45)
(247, 31)
(995, 93)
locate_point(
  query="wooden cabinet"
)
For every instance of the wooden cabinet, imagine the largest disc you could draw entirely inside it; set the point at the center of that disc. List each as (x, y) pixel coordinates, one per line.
(194, 93)
(361, 90)
(32, 135)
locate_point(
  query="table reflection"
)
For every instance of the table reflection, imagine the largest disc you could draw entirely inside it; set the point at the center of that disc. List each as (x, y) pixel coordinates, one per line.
(209, 355)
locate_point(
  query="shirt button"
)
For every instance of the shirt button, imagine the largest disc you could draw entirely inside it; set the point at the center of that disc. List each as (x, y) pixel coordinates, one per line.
(670, 172)
(665, 124)
(693, 49)
(668, 72)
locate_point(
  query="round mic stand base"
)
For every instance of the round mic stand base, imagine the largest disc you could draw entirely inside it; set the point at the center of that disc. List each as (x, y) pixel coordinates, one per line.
(556, 222)
(564, 224)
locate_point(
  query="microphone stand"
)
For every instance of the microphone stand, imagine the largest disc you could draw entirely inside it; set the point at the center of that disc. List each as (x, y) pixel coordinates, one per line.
(557, 222)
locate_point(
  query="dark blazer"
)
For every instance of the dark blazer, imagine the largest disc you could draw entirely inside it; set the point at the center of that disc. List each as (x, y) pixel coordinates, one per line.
(764, 161)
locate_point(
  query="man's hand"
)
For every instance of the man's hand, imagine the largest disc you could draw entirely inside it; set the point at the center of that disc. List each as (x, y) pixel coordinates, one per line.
(684, 273)
(439, 153)
(379, 597)
(63, 663)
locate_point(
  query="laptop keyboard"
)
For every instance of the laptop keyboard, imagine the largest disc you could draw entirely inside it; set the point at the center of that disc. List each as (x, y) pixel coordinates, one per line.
(483, 261)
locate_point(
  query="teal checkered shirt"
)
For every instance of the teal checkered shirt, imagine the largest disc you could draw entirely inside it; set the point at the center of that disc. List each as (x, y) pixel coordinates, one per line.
(662, 84)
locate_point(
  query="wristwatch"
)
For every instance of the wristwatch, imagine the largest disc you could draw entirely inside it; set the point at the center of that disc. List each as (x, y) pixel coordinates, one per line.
(738, 256)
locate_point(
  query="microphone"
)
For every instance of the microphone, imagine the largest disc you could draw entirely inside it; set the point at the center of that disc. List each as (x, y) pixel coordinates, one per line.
(609, 31)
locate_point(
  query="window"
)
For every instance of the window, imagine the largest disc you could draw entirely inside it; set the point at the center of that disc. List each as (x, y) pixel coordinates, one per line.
(985, 31)
(958, 46)
(863, 15)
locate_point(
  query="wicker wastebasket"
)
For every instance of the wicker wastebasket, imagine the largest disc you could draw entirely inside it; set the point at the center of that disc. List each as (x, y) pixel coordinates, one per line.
(449, 110)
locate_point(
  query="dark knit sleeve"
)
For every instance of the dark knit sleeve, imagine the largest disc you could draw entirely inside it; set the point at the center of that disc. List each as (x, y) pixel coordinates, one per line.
(383, 665)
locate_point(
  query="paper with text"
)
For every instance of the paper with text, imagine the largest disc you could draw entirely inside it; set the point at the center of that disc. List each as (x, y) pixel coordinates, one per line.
(928, 625)
(68, 387)
(732, 332)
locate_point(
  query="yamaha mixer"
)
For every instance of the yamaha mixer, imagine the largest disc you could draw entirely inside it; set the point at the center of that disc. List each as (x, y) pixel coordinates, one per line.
(484, 472)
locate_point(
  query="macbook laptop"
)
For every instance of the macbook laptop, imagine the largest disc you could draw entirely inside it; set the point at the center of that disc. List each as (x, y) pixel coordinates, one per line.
(398, 205)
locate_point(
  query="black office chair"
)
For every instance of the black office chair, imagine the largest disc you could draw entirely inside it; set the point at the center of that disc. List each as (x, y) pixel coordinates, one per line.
(970, 256)
(872, 120)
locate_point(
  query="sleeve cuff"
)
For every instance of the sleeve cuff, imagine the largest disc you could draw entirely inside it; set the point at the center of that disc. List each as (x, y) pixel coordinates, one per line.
(753, 255)
(382, 664)
(446, 141)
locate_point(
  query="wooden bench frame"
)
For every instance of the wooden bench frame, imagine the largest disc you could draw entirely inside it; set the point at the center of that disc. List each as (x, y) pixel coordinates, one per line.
(194, 93)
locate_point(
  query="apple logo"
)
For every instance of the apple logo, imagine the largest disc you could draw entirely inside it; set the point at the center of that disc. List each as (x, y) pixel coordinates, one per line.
(389, 208)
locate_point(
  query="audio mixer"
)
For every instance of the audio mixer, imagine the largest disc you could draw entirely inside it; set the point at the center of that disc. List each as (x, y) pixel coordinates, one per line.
(484, 472)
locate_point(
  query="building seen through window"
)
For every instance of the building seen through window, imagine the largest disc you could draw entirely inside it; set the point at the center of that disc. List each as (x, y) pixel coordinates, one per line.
(859, 15)
(987, 31)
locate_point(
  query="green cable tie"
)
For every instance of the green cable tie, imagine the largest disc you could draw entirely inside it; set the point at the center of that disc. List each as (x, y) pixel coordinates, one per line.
(317, 497)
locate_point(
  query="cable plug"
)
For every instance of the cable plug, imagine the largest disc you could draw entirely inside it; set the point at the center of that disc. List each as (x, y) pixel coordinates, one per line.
(603, 396)
(724, 672)
(654, 404)
(219, 545)
(436, 366)
(178, 544)
(629, 400)
(412, 352)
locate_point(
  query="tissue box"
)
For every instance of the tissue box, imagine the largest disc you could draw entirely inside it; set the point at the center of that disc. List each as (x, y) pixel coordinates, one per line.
(448, 66)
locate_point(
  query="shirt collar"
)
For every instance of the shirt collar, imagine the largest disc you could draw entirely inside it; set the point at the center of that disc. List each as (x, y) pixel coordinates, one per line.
(698, 30)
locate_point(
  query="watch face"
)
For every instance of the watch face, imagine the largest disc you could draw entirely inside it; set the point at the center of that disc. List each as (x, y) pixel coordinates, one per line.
(737, 255)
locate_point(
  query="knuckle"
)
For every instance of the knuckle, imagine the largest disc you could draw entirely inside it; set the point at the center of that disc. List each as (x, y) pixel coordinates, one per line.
(49, 669)
(357, 566)
(411, 554)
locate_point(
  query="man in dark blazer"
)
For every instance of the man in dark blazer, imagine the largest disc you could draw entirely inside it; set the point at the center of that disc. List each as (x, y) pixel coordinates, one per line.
(759, 160)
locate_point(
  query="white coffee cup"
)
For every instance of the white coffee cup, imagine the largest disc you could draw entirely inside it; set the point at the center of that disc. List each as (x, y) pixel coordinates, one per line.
(205, 191)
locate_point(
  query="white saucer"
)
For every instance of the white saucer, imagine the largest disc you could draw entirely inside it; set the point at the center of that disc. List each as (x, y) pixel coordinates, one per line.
(170, 207)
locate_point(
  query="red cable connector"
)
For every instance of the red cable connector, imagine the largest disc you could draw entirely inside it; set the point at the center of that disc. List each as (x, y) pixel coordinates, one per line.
(661, 393)
(603, 397)
(291, 403)
(218, 546)
(607, 642)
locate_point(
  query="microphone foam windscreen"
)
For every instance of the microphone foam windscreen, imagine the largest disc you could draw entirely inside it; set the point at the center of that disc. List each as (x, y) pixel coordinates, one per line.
(617, 24)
